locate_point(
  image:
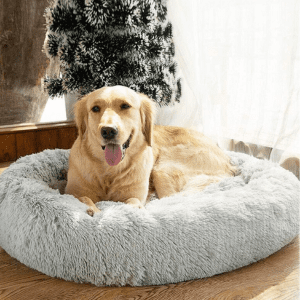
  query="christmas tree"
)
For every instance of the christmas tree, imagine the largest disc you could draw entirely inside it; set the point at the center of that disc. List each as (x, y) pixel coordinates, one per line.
(111, 42)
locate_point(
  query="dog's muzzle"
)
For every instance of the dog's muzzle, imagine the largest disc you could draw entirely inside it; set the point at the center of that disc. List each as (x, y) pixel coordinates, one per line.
(124, 146)
(109, 133)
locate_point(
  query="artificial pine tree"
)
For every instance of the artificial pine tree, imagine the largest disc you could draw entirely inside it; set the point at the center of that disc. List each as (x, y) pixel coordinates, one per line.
(112, 42)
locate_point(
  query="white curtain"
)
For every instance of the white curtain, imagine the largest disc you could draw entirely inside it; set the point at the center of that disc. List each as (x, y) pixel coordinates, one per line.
(240, 65)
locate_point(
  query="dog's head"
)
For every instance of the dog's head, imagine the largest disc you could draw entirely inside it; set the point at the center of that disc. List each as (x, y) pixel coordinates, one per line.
(115, 117)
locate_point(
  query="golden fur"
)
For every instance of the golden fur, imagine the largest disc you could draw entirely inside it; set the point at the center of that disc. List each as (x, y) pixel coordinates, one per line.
(164, 159)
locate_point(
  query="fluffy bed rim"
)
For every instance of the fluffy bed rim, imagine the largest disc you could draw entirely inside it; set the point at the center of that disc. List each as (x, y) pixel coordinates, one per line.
(229, 225)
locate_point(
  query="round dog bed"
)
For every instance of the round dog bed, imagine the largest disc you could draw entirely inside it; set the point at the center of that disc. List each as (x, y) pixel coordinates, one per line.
(231, 224)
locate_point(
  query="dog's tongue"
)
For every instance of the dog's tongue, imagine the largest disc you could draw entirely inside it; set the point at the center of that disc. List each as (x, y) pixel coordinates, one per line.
(113, 154)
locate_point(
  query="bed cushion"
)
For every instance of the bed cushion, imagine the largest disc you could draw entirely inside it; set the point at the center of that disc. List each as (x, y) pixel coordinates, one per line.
(231, 224)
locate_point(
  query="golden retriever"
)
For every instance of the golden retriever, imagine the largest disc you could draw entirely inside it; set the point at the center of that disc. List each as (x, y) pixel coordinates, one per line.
(120, 155)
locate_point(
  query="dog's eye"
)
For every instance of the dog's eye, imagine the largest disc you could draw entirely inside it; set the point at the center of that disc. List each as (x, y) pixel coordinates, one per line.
(96, 109)
(125, 106)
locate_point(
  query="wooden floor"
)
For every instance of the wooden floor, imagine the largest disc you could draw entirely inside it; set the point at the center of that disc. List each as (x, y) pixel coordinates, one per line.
(276, 277)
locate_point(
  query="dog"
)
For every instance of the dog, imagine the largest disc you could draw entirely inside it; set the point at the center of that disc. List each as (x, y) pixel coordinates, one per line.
(120, 155)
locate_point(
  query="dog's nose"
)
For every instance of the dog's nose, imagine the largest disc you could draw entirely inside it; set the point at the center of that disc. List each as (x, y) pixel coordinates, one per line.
(109, 132)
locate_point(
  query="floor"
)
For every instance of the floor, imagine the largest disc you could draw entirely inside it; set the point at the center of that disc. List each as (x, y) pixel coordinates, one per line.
(276, 277)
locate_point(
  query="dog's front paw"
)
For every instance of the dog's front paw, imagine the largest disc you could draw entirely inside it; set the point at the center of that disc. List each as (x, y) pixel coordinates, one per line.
(92, 210)
(134, 202)
(92, 207)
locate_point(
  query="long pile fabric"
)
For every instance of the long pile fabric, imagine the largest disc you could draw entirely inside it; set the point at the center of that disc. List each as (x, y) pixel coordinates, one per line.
(231, 224)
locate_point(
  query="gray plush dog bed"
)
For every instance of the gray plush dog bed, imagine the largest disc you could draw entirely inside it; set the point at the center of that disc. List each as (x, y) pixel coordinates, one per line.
(227, 226)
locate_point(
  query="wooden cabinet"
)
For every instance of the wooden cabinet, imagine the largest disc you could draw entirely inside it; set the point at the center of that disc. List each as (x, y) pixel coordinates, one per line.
(17, 141)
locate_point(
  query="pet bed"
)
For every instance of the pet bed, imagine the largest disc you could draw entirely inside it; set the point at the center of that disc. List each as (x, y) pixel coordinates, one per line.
(231, 224)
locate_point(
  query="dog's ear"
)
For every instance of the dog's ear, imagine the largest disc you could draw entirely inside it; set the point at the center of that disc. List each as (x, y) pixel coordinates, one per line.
(81, 116)
(147, 111)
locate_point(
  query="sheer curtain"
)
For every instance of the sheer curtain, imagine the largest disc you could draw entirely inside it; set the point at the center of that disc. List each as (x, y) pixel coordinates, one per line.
(240, 65)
